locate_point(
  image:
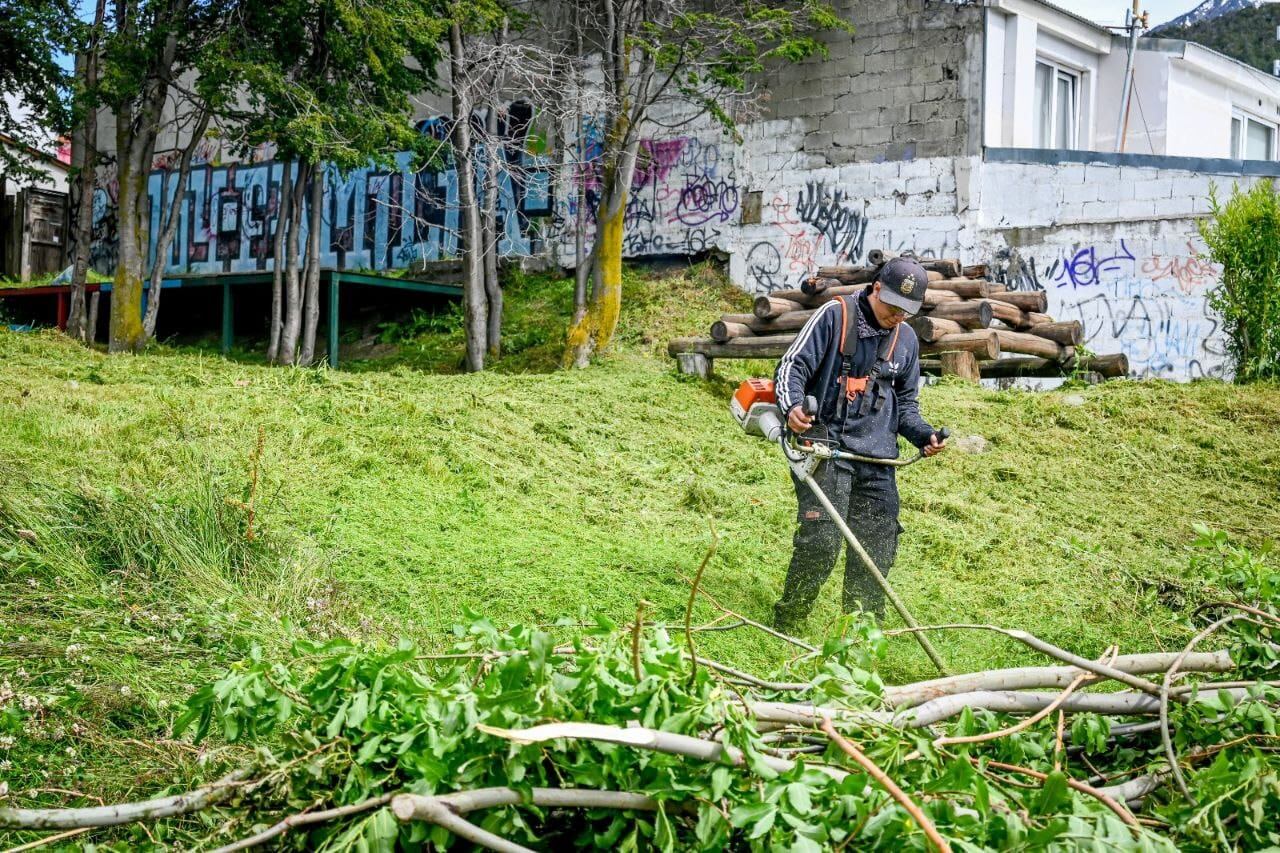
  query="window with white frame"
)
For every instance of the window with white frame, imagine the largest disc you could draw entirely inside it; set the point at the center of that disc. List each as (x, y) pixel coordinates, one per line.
(1252, 139)
(1057, 106)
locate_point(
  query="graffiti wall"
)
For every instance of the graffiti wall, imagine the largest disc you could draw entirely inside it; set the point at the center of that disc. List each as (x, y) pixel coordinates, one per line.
(1148, 302)
(1114, 247)
(371, 218)
(814, 217)
(684, 197)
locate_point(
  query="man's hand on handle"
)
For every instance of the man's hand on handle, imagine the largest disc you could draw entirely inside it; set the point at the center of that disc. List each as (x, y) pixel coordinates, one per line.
(934, 446)
(798, 420)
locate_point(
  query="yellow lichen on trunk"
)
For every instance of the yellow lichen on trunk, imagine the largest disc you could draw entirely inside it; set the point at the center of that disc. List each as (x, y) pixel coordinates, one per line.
(608, 302)
(127, 332)
(126, 312)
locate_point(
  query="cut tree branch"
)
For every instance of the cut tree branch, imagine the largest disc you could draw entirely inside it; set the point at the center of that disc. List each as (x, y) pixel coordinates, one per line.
(644, 738)
(120, 813)
(930, 831)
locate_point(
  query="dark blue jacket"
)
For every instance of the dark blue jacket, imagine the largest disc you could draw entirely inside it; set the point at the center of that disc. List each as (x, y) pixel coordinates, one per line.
(812, 366)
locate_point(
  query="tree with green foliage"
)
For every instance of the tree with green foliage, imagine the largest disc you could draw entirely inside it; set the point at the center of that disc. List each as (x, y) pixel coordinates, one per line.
(32, 34)
(328, 83)
(147, 48)
(1243, 235)
(672, 54)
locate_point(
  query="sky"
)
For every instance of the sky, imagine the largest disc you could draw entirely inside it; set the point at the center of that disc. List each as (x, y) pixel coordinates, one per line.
(1112, 11)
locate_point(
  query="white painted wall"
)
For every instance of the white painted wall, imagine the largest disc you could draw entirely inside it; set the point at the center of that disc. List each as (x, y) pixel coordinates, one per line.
(1017, 32)
(1184, 99)
(1149, 104)
(993, 83)
(1199, 121)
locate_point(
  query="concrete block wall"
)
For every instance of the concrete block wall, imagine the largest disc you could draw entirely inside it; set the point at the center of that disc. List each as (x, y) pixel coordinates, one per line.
(900, 88)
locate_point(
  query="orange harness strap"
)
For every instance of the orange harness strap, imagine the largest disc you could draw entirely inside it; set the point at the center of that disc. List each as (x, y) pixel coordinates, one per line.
(855, 385)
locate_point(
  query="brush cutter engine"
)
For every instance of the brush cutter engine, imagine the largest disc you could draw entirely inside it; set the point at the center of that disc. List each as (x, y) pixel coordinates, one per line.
(755, 407)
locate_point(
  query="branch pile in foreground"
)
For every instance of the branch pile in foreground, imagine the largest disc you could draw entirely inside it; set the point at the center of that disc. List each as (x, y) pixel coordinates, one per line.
(617, 739)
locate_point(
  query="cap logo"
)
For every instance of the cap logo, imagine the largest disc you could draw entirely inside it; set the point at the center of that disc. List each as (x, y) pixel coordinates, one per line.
(907, 285)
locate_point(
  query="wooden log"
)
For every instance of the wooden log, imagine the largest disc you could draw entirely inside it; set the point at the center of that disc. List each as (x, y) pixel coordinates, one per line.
(1027, 300)
(967, 288)
(1108, 366)
(766, 307)
(1030, 345)
(950, 267)
(814, 285)
(1036, 318)
(934, 275)
(833, 292)
(930, 328)
(975, 271)
(722, 331)
(1009, 314)
(785, 323)
(1111, 366)
(877, 257)
(848, 275)
(984, 344)
(962, 364)
(970, 313)
(938, 297)
(992, 287)
(761, 346)
(792, 294)
(1069, 333)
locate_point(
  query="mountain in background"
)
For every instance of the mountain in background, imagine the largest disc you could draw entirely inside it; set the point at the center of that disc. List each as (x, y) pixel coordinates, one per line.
(1247, 34)
(1207, 11)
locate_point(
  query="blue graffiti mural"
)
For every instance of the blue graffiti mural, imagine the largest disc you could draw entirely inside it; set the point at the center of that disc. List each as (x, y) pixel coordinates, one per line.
(372, 218)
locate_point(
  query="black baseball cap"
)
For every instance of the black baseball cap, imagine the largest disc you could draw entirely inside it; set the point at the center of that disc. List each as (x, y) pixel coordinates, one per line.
(903, 283)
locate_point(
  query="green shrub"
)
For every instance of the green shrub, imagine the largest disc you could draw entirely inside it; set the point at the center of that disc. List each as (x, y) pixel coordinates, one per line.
(1243, 236)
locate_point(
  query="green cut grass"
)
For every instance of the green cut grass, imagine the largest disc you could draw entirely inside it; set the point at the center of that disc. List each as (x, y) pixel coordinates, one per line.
(394, 497)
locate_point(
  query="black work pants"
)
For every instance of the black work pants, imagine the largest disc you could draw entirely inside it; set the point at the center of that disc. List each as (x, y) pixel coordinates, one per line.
(867, 496)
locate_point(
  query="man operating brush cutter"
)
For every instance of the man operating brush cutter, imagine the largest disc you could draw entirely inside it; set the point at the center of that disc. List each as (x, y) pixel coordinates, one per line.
(859, 362)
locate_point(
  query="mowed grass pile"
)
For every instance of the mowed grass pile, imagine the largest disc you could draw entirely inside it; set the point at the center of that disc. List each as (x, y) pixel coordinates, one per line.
(391, 502)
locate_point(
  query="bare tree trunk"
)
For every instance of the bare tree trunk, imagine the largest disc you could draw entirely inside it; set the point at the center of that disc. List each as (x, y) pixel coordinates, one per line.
(283, 213)
(136, 132)
(474, 300)
(311, 301)
(171, 224)
(580, 267)
(84, 154)
(579, 177)
(126, 334)
(292, 283)
(91, 327)
(490, 236)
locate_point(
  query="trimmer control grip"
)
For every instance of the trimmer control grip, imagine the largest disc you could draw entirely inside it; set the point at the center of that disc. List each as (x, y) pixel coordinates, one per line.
(810, 406)
(943, 434)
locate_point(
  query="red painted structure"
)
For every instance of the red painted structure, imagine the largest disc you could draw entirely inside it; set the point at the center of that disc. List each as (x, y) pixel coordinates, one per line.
(60, 292)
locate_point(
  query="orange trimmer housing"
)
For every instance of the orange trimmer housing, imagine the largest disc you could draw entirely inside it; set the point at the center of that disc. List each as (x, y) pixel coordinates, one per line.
(755, 407)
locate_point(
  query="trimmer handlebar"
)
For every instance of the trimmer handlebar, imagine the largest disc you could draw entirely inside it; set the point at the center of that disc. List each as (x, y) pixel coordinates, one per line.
(755, 407)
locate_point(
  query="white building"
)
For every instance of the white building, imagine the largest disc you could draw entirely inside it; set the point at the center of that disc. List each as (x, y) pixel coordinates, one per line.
(1054, 80)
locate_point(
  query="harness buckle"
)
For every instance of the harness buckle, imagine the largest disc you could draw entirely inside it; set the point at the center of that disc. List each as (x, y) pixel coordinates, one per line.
(853, 386)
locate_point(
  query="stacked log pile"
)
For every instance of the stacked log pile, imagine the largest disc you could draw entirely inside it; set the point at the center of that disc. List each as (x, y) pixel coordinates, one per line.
(969, 326)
